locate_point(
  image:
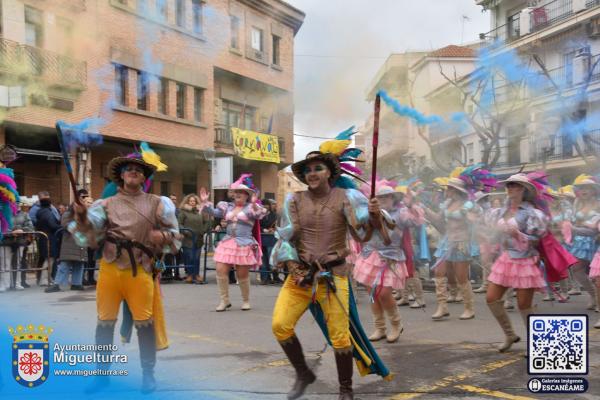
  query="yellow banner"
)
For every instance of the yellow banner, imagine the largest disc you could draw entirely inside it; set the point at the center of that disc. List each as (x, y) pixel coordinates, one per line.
(255, 146)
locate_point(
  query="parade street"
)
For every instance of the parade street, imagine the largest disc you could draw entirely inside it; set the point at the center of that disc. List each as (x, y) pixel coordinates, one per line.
(237, 348)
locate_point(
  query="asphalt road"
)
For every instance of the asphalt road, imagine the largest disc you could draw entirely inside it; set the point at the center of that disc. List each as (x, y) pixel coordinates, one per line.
(233, 355)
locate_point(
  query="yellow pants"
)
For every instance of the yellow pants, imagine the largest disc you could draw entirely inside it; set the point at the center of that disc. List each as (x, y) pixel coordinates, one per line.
(293, 301)
(115, 285)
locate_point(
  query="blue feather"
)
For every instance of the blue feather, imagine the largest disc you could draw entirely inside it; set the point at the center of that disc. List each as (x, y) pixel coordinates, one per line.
(344, 182)
(346, 135)
(109, 190)
(352, 153)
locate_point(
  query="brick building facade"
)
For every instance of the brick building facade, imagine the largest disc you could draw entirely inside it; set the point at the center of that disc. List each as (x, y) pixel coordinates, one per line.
(175, 73)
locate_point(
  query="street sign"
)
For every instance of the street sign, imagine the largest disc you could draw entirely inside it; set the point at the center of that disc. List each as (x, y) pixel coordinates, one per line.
(222, 172)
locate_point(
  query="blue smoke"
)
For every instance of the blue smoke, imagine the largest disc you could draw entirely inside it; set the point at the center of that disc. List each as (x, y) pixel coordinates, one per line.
(84, 133)
(409, 112)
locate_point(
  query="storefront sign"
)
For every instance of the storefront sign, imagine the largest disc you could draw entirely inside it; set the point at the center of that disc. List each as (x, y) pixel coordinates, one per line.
(255, 146)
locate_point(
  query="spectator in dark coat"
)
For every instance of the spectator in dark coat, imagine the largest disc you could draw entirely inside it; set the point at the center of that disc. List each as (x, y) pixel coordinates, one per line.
(36, 207)
(46, 222)
(191, 217)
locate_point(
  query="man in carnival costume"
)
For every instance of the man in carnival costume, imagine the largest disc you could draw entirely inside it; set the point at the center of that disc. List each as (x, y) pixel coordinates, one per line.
(132, 227)
(312, 244)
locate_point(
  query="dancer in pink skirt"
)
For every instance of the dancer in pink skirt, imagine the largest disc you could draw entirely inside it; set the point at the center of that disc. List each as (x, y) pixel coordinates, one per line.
(520, 224)
(382, 267)
(239, 248)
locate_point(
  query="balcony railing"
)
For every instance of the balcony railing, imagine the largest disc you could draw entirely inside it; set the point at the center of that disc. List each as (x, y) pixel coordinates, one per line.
(541, 17)
(28, 61)
(563, 147)
(223, 136)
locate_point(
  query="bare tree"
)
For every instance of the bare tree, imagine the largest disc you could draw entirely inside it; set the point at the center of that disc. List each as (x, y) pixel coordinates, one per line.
(488, 120)
(576, 109)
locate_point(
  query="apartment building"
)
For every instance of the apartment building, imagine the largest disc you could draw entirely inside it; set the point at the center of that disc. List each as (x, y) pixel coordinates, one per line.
(178, 74)
(409, 77)
(564, 35)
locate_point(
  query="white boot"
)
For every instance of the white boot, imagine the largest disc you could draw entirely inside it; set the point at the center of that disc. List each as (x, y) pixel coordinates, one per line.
(245, 289)
(441, 293)
(394, 315)
(379, 321)
(223, 285)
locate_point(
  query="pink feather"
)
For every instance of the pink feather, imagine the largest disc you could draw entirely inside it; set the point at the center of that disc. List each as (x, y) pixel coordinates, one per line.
(241, 179)
(351, 168)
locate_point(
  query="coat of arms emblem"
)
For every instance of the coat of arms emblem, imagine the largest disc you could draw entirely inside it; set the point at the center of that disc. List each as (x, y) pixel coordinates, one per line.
(30, 354)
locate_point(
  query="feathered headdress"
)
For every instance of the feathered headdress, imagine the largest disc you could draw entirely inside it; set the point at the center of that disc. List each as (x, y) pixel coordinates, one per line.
(9, 199)
(539, 179)
(244, 182)
(382, 186)
(336, 154)
(472, 179)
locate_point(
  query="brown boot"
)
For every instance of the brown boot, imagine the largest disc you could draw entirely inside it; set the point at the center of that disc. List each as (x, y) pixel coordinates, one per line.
(510, 337)
(189, 279)
(467, 294)
(441, 294)
(304, 376)
(394, 315)
(379, 320)
(344, 362)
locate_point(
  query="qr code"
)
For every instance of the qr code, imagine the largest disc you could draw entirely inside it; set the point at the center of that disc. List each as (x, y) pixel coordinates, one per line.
(557, 344)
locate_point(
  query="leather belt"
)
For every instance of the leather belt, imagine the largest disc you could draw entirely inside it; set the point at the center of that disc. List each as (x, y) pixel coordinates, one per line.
(129, 245)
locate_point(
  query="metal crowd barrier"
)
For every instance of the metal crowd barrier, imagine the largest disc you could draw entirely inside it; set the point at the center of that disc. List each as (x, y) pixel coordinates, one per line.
(267, 239)
(22, 253)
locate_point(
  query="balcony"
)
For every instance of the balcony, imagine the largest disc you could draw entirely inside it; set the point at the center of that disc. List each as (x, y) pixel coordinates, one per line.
(27, 61)
(223, 136)
(539, 18)
(563, 148)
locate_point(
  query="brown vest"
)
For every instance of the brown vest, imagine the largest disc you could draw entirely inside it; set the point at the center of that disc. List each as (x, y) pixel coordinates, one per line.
(321, 227)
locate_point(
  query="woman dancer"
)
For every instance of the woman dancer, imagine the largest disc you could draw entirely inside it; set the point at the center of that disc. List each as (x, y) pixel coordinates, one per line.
(520, 224)
(586, 215)
(458, 246)
(239, 248)
(382, 267)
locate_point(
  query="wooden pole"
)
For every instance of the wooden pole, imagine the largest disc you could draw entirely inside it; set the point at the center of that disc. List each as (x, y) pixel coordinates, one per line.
(375, 142)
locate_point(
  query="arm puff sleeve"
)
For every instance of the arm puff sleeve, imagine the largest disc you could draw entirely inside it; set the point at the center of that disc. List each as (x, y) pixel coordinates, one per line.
(165, 214)
(356, 209)
(92, 233)
(219, 211)
(410, 217)
(256, 211)
(284, 249)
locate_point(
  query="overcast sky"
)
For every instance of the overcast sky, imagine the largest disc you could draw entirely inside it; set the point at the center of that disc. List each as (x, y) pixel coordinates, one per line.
(342, 44)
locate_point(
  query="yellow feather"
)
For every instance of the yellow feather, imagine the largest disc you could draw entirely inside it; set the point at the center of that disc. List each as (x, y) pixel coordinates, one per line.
(442, 180)
(566, 190)
(401, 189)
(334, 146)
(154, 159)
(581, 178)
(456, 172)
(8, 193)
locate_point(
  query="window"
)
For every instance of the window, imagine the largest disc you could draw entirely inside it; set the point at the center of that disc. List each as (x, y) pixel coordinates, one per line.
(197, 15)
(257, 39)
(180, 13)
(235, 32)
(470, 152)
(142, 90)
(162, 91)
(276, 41)
(198, 93)
(34, 31)
(161, 9)
(513, 25)
(121, 84)
(232, 114)
(180, 98)
(249, 117)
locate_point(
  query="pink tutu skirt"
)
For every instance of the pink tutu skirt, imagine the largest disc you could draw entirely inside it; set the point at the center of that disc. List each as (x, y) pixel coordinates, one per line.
(229, 252)
(393, 273)
(518, 273)
(595, 266)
